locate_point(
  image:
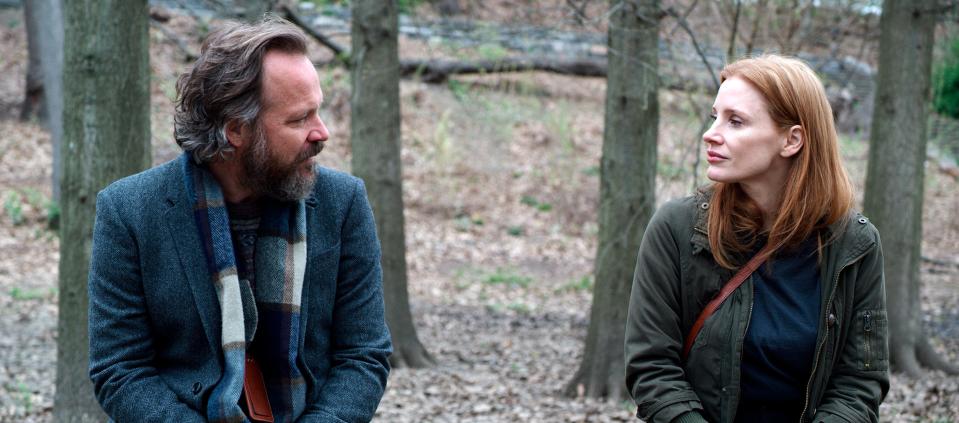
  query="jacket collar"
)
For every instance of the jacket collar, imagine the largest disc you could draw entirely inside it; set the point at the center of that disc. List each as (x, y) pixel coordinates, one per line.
(700, 239)
(850, 234)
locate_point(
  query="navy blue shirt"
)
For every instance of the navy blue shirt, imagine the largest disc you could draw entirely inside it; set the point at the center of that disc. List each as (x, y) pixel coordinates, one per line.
(781, 337)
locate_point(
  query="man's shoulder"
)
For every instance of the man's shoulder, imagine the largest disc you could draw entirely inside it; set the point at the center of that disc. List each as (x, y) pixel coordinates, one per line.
(336, 179)
(149, 184)
(335, 186)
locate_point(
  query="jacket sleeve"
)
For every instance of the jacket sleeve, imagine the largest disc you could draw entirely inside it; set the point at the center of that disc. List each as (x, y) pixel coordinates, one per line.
(125, 380)
(360, 340)
(654, 376)
(860, 377)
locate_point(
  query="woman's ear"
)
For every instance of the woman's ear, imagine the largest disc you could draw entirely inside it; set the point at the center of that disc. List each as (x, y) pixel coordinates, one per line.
(795, 139)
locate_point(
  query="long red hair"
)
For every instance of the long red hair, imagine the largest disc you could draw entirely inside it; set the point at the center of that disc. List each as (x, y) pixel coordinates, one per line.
(817, 192)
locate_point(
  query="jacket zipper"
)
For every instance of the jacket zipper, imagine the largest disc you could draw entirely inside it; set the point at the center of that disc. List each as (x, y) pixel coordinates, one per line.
(825, 337)
(867, 327)
(742, 340)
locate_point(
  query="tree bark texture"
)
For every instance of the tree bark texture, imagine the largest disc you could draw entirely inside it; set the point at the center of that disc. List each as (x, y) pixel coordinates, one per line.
(375, 133)
(106, 136)
(627, 190)
(894, 181)
(33, 96)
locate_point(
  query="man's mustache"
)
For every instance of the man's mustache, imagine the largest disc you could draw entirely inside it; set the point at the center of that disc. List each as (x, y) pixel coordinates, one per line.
(312, 150)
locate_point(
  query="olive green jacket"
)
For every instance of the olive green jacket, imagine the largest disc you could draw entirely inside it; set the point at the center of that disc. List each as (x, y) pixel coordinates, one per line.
(676, 276)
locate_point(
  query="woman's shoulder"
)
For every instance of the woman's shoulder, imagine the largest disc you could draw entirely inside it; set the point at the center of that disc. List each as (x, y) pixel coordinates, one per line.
(681, 211)
(855, 231)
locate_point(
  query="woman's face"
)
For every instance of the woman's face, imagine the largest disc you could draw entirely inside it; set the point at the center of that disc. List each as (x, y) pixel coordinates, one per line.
(744, 144)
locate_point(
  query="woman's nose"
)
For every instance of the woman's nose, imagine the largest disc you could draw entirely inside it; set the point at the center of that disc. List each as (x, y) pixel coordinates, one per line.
(711, 136)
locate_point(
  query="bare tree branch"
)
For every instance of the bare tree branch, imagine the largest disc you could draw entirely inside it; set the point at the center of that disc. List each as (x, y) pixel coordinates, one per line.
(683, 24)
(338, 50)
(685, 15)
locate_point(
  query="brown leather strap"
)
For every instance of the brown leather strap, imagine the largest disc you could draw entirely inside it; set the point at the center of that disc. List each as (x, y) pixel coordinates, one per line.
(724, 293)
(255, 399)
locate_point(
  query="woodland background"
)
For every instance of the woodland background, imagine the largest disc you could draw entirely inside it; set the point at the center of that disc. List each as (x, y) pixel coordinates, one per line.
(501, 175)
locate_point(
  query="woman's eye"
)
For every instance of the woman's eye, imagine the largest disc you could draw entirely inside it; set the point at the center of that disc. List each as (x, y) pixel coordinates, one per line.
(735, 122)
(712, 116)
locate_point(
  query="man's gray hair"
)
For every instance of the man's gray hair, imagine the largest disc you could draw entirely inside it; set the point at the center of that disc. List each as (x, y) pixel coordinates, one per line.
(224, 84)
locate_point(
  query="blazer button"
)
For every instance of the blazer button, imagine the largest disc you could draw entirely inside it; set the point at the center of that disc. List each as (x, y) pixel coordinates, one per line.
(831, 320)
(197, 387)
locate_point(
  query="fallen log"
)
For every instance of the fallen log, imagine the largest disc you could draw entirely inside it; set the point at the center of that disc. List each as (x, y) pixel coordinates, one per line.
(438, 71)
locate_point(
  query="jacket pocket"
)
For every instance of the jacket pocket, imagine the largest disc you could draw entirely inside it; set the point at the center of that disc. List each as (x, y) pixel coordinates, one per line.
(871, 332)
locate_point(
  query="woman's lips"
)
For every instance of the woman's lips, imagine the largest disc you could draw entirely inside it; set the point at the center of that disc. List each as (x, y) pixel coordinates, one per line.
(714, 157)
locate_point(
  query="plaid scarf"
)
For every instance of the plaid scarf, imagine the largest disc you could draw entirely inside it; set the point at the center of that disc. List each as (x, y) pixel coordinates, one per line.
(279, 265)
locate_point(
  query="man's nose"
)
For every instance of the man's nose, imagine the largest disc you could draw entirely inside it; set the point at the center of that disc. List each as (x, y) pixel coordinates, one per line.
(319, 132)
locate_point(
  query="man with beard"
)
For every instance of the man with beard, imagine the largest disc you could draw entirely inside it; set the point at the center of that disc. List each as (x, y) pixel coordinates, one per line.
(239, 281)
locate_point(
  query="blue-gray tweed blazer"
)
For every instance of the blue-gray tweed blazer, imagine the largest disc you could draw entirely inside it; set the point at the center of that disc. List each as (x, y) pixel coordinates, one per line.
(155, 318)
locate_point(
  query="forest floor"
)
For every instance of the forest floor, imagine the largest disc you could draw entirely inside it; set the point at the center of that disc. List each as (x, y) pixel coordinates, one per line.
(501, 190)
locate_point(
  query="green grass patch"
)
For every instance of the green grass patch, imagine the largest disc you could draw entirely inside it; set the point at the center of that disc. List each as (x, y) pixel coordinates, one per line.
(508, 278)
(22, 294)
(531, 201)
(577, 285)
(13, 207)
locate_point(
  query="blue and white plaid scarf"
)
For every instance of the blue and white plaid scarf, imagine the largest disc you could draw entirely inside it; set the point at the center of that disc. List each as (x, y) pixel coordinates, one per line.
(279, 265)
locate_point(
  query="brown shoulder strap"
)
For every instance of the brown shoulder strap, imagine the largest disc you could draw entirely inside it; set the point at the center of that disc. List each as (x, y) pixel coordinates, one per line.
(724, 293)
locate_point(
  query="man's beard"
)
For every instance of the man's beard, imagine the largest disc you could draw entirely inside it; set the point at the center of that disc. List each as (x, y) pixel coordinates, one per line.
(265, 174)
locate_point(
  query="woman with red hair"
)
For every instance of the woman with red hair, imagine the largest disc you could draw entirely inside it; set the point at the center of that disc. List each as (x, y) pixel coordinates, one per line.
(761, 298)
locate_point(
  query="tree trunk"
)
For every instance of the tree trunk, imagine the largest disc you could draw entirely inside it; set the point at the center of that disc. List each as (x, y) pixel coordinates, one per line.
(627, 190)
(47, 16)
(107, 136)
(33, 96)
(894, 182)
(375, 133)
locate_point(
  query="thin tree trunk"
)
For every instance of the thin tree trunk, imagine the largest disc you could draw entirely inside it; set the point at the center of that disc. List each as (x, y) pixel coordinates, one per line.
(731, 50)
(627, 185)
(375, 133)
(760, 9)
(33, 96)
(894, 182)
(48, 16)
(107, 136)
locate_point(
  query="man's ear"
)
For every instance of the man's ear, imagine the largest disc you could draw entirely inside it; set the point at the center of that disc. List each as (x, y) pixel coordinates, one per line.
(795, 140)
(237, 133)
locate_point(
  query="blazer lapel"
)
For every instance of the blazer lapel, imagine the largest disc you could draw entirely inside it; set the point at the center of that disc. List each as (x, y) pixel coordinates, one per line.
(184, 235)
(305, 297)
